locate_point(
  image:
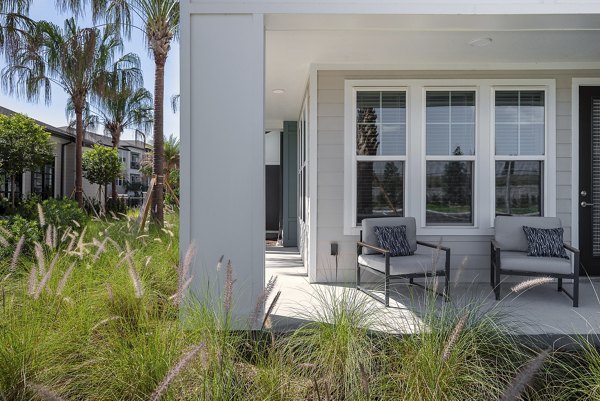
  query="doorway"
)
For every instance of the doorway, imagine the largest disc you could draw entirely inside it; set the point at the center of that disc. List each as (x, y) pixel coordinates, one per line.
(589, 179)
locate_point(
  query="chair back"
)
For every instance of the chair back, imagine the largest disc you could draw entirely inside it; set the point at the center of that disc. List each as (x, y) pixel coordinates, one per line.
(509, 232)
(368, 230)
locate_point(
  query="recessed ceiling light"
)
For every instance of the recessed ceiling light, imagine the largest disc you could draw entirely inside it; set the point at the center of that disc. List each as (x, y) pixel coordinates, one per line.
(278, 91)
(480, 42)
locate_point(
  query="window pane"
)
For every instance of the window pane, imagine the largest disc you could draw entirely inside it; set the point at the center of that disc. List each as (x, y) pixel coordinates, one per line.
(520, 125)
(450, 123)
(380, 189)
(449, 193)
(519, 188)
(380, 123)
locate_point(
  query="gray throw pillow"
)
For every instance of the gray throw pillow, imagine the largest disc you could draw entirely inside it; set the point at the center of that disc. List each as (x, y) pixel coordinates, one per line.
(545, 242)
(393, 238)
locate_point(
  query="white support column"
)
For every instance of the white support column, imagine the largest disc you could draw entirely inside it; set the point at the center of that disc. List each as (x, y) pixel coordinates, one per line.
(223, 205)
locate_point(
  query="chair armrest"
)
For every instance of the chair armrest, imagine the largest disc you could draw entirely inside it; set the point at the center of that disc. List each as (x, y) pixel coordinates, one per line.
(373, 247)
(571, 248)
(436, 246)
(495, 245)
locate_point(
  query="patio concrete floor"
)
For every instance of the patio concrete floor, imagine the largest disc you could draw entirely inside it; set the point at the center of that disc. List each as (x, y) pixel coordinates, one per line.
(539, 311)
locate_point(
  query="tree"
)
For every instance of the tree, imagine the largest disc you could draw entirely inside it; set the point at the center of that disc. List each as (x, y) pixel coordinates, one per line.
(455, 175)
(171, 162)
(24, 146)
(124, 104)
(101, 165)
(75, 59)
(159, 21)
(14, 24)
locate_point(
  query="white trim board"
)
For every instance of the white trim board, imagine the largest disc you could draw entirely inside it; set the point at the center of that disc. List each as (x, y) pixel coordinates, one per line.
(483, 194)
(575, 84)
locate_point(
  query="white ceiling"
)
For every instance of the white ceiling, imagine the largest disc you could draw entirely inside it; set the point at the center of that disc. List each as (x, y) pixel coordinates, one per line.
(294, 42)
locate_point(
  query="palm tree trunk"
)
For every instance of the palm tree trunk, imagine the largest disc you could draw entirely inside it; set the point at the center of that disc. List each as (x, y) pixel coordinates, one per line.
(116, 139)
(78, 155)
(159, 155)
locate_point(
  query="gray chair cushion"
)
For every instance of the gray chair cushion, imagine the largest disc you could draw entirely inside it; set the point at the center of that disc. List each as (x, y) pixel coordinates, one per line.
(368, 230)
(417, 263)
(519, 261)
(509, 230)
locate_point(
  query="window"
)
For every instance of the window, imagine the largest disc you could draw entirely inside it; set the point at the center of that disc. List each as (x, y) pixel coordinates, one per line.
(520, 131)
(120, 181)
(42, 181)
(450, 157)
(135, 179)
(380, 152)
(302, 166)
(6, 188)
(135, 161)
(452, 153)
(122, 156)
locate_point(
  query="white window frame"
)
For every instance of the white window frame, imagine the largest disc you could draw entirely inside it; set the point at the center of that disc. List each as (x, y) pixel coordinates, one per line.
(414, 165)
(472, 158)
(543, 158)
(356, 158)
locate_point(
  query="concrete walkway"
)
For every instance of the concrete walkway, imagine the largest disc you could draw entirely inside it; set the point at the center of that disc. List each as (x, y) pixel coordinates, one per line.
(538, 311)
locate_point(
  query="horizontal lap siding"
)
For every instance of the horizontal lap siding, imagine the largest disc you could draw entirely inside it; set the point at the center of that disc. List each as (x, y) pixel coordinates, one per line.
(470, 254)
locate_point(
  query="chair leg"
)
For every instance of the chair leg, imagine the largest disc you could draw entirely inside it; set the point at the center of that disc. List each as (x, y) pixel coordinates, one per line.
(497, 283)
(387, 290)
(576, 291)
(559, 284)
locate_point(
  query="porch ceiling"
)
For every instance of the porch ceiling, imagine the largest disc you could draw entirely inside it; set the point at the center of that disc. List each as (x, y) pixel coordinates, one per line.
(294, 42)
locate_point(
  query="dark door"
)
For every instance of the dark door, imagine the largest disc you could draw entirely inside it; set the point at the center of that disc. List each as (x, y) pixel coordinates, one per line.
(589, 179)
(273, 197)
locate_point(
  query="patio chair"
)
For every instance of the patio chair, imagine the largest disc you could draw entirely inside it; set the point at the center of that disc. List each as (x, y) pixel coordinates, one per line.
(377, 259)
(509, 254)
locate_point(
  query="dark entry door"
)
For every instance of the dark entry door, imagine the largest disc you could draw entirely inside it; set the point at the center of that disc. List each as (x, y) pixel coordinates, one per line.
(589, 178)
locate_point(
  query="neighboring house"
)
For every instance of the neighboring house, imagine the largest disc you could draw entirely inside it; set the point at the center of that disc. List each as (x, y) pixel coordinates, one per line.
(449, 111)
(131, 152)
(57, 178)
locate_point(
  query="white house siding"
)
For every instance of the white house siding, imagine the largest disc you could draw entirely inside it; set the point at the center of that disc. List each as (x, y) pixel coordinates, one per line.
(470, 253)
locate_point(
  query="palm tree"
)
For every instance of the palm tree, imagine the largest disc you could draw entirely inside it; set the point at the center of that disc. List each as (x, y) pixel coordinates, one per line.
(159, 21)
(14, 24)
(75, 59)
(124, 104)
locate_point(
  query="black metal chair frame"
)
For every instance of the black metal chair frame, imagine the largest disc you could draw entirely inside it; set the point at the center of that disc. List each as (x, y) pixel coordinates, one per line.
(496, 271)
(411, 276)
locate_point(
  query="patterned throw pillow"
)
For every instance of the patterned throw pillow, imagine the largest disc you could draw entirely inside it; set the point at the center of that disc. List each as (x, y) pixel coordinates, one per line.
(394, 239)
(545, 242)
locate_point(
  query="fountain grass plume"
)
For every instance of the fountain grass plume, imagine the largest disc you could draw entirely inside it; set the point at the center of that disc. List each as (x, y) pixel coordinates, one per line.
(16, 254)
(41, 216)
(456, 332)
(32, 280)
(270, 310)
(46, 277)
(64, 278)
(525, 377)
(262, 299)
(135, 278)
(48, 237)
(183, 363)
(228, 290)
(39, 255)
(534, 282)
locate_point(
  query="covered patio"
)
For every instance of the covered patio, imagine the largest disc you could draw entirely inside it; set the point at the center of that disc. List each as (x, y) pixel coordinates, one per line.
(539, 312)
